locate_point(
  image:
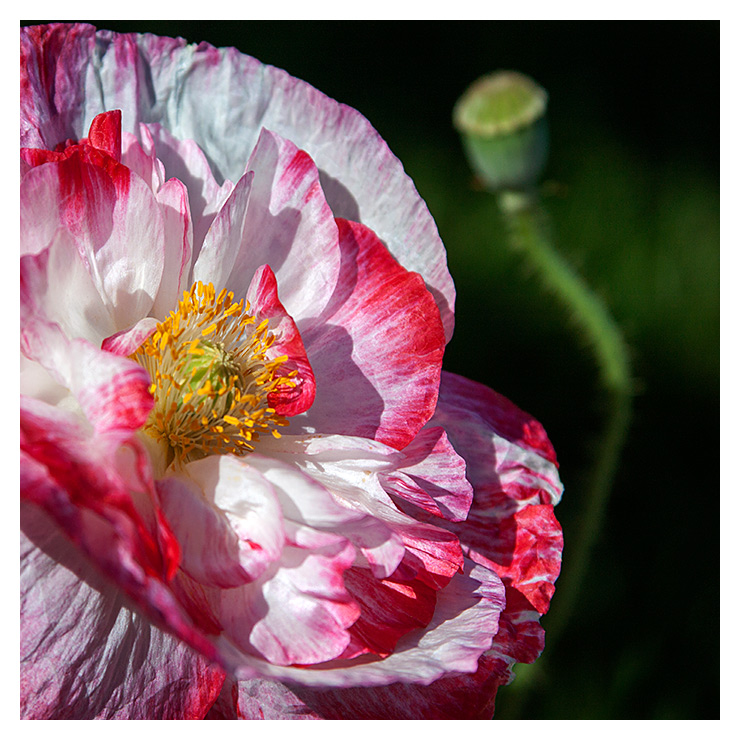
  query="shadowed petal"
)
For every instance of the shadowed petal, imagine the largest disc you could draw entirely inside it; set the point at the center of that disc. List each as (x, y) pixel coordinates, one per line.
(380, 345)
(85, 654)
(224, 100)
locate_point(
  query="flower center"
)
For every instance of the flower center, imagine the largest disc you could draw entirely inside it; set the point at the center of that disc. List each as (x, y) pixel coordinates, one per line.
(211, 377)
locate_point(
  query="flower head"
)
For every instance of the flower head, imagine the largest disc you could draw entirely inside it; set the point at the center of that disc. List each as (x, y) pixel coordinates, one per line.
(248, 489)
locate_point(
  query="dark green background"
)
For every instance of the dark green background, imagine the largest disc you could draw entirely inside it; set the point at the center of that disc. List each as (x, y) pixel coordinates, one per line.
(633, 190)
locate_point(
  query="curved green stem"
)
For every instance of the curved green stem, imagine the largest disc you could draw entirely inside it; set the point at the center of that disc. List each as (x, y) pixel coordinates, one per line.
(529, 233)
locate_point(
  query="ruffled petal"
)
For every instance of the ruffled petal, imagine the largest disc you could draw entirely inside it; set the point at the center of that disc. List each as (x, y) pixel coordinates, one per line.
(352, 468)
(185, 161)
(301, 613)
(465, 618)
(85, 654)
(357, 563)
(273, 587)
(209, 546)
(56, 285)
(225, 516)
(224, 100)
(298, 394)
(380, 344)
(113, 392)
(432, 477)
(114, 221)
(102, 498)
(285, 223)
(513, 469)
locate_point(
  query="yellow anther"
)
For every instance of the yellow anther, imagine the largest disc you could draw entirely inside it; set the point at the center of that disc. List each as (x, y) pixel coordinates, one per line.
(211, 385)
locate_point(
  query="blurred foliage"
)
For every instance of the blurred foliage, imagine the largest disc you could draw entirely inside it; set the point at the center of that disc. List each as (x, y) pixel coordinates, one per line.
(633, 190)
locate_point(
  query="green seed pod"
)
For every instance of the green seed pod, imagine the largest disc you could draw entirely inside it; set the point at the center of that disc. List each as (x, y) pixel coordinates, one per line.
(501, 119)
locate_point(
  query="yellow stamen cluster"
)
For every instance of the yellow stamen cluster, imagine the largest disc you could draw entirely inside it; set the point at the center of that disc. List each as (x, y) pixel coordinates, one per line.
(211, 377)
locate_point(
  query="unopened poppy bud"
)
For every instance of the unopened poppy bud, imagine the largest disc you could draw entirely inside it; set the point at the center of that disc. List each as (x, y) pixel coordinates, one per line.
(501, 119)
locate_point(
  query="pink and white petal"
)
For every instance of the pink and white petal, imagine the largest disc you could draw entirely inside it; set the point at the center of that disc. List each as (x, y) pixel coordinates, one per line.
(55, 284)
(513, 470)
(461, 630)
(104, 503)
(390, 608)
(70, 73)
(244, 499)
(380, 344)
(514, 473)
(226, 238)
(520, 639)
(297, 395)
(112, 391)
(127, 341)
(139, 157)
(286, 224)
(85, 654)
(316, 496)
(303, 499)
(178, 246)
(92, 489)
(433, 555)
(37, 382)
(185, 161)
(526, 553)
(209, 546)
(54, 63)
(296, 609)
(467, 696)
(300, 612)
(115, 222)
(432, 476)
(510, 461)
(352, 469)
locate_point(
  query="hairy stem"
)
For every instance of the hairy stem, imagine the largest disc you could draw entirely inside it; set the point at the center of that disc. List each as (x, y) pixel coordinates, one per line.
(528, 230)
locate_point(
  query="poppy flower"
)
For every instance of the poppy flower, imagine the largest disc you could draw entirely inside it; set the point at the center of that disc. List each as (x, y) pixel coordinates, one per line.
(248, 488)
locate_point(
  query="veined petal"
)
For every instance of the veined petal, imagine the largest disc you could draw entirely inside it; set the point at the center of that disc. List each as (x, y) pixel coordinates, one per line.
(116, 664)
(209, 546)
(178, 246)
(224, 101)
(465, 618)
(298, 394)
(101, 496)
(185, 161)
(432, 476)
(389, 609)
(112, 391)
(115, 223)
(140, 157)
(56, 285)
(286, 223)
(226, 238)
(225, 515)
(390, 555)
(300, 613)
(354, 470)
(513, 470)
(380, 344)
(291, 604)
